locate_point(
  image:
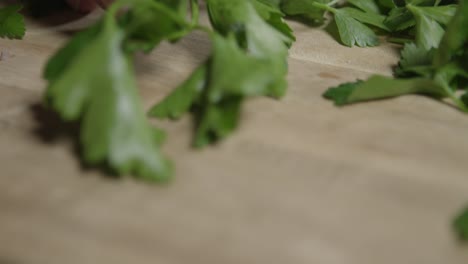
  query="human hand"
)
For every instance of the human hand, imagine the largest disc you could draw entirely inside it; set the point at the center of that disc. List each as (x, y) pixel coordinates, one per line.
(88, 5)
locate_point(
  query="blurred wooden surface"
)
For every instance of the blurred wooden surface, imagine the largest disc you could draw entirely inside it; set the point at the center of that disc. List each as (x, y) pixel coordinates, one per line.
(300, 182)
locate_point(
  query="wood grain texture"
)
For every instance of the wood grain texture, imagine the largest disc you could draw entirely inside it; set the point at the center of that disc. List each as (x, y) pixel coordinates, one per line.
(300, 182)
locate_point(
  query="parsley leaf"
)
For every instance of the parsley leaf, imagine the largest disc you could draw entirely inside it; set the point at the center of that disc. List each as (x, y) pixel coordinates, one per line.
(248, 59)
(12, 24)
(441, 14)
(453, 44)
(368, 6)
(353, 32)
(425, 24)
(399, 19)
(415, 60)
(349, 21)
(373, 19)
(424, 67)
(91, 79)
(461, 225)
(305, 8)
(149, 24)
(379, 87)
(183, 97)
(271, 13)
(114, 128)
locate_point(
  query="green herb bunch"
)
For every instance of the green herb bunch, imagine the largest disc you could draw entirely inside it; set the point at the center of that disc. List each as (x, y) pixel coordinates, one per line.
(92, 80)
(434, 58)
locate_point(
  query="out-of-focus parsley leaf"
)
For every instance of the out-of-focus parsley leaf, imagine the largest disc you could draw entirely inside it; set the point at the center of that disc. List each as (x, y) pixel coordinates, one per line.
(271, 13)
(152, 23)
(248, 59)
(215, 91)
(102, 93)
(91, 79)
(183, 97)
(454, 43)
(258, 37)
(12, 24)
(461, 225)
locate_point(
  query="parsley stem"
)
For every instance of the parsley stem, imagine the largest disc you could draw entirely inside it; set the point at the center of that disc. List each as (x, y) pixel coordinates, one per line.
(398, 40)
(332, 3)
(204, 29)
(323, 6)
(195, 12)
(451, 94)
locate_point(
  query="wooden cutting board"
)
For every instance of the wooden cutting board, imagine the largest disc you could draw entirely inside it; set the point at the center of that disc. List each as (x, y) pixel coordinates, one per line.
(301, 181)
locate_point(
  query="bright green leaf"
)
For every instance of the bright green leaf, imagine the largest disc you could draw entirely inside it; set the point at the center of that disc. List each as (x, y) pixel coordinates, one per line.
(369, 6)
(366, 18)
(99, 88)
(461, 225)
(12, 24)
(183, 97)
(353, 32)
(379, 87)
(428, 31)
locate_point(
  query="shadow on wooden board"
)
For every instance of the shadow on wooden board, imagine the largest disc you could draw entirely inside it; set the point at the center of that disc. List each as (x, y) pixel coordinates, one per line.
(51, 128)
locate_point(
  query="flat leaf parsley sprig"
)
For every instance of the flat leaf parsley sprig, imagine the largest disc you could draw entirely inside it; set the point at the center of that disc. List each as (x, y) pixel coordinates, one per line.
(92, 79)
(249, 58)
(250, 48)
(433, 60)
